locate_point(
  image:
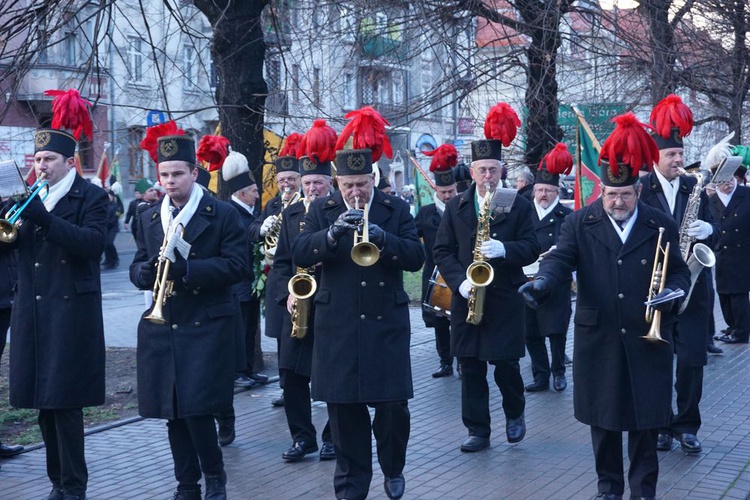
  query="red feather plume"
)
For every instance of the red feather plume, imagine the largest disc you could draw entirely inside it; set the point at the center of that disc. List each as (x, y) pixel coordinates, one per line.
(558, 160)
(501, 123)
(367, 127)
(629, 144)
(70, 111)
(291, 145)
(213, 149)
(671, 113)
(319, 142)
(150, 141)
(444, 158)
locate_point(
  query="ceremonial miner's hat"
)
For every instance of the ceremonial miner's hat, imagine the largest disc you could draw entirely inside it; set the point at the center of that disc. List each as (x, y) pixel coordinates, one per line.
(628, 148)
(287, 159)
(143, 185)
(500, 129)
(70, 112)
(150, 142)
(317, 149)
(557, 161)
(366, 127)
(671, 120)
(236, 172)
(444, 160)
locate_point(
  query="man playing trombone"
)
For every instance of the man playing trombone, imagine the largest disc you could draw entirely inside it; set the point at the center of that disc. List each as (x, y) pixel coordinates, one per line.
(621, 381)
(191, 250)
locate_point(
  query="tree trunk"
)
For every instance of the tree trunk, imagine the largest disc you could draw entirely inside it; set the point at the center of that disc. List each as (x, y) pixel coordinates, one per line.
(662, 46)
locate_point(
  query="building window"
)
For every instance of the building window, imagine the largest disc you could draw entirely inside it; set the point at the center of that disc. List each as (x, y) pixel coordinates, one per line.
(135, 59)
(135, 153)
(295, 83)
(346, 23)
(350, 91)
(316, 87)
(273, 75)
(397, 84)
(189, 67)
(70, 49)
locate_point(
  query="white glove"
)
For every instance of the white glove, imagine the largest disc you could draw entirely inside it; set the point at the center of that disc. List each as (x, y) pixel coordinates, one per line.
(700, 230)
(492, 249)
(464, 288)
(270, 221)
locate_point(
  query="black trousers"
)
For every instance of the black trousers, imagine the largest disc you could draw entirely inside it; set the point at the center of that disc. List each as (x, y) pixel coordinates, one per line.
(443, 341)
(298, 409)
(111, 258)
(250, 314)
(540, 363)
(475, 393)
(195, 448)
(4, 325)
(351, 431)
(62, 432)
(736, 310)
(644, 464)
(689, 388)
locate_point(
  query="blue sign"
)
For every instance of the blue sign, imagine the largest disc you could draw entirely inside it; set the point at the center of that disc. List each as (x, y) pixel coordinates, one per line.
(155, 118)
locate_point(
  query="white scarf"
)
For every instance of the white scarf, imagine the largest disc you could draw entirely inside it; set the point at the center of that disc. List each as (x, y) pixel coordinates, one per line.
(625, 231)
(544, 212)
(186, 213)
(438, 204)
(669, 188)
(244, 205)
(726, 198)
(59, 190)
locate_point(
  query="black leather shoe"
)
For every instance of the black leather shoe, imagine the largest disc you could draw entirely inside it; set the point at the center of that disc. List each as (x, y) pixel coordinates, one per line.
(689, 443)
(216, 487)
(712, 349)
(298, 451)
(609, 496)
(259, 378)
(515, 429)
(187, 495)
(663, 442)
(394, 486)
(559, 383)
(327, 451)
(278, 402)
(538, 385)
(9, 451)
(82, 496)
(735, 339)
(56, 494)
(459, 370)
(444, 371)
(244, 381)
(474, 443)
(226, 431)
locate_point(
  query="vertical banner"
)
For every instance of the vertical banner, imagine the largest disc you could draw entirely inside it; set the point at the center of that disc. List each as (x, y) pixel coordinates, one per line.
(423, 185)
(587, 188)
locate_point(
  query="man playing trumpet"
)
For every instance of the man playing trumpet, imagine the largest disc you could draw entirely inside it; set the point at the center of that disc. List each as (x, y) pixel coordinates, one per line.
(186, 351)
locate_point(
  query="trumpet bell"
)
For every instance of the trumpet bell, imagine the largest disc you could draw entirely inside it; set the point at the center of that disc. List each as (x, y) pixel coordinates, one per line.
(480, 274)
(365, 254)
(8, 231)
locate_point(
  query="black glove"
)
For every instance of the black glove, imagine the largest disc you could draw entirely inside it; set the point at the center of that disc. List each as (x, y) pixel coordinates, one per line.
(666, 306)
(535, 291)
(346, 222)
(37, 213)
(148, 270)
(178, 268)
(377, 235)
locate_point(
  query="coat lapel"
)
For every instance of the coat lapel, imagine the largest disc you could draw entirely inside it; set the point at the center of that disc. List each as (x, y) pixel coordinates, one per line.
(466, 211)
(644, 228)
(598, 225)
(201, 219)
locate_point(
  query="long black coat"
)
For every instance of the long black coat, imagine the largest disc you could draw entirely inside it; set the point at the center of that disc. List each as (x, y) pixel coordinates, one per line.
(57, 332)
(733, 247)
(191, 355)
(551, 317)
(295, 354)
(362, 330)
(501, 333)
(243, 292)
(692, 325)
(621, 382)
(428, 222)
(273, 311)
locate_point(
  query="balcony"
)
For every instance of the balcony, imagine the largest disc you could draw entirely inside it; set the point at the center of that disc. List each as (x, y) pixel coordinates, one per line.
(379, 47)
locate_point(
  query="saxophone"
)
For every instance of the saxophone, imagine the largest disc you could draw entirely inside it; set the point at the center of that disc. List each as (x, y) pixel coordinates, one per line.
(701, 256)
(302, 287)
(271, 239)
(480, 273)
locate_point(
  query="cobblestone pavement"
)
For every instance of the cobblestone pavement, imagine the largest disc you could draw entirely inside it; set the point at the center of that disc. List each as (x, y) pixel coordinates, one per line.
(555, 460)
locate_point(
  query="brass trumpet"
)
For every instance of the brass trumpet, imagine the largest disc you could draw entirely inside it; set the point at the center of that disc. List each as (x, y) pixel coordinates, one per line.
(10, 224)
(658, 281)
(162, 286)
(363, 252)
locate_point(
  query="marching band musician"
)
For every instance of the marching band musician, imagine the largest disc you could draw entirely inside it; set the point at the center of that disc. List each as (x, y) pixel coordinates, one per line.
(444, 159)
(666, 190)
(186, 362)
(57, 331)
(498, 339)
(295, 357)
(550, 320)
(287, 181)
(362, 332)
(622, 383)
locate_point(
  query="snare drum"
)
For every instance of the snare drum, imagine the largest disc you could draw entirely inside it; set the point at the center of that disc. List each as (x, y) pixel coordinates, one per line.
(438, 296)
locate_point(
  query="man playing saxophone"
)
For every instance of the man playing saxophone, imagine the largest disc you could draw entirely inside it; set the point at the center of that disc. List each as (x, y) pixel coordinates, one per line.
(489, 229)
(621, 382)
(684, 199)
(296, 348)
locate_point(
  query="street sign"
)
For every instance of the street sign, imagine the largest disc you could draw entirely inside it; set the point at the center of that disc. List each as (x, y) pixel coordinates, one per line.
(155, 118)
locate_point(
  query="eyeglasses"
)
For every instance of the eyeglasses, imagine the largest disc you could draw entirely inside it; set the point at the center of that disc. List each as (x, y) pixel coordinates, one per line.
(546, 191)
(626, 197)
